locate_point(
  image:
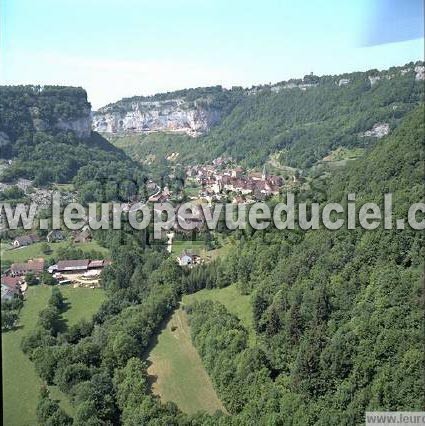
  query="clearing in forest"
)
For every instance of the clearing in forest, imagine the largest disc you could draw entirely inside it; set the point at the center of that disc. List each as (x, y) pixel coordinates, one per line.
(177, 372)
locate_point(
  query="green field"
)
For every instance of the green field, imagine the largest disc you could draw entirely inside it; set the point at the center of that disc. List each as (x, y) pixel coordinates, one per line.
(81, 303)
(194, 246)
(237, 304)
(152, 148)
(21, 383)
(226, 246)
(177, 372)
(64, 187)
(192, 191)
(175, 367)
(34, 250)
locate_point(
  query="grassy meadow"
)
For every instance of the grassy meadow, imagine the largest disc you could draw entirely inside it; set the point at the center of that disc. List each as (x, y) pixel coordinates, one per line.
(194, 246)
(35, 250)
(21, 383)
(174, 364)
(176, 369)
(236, 303)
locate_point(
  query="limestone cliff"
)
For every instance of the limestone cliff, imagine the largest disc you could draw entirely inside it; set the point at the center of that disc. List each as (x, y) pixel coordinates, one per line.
(80, 125)
(191, 111)
(26, 110)
(174, 115)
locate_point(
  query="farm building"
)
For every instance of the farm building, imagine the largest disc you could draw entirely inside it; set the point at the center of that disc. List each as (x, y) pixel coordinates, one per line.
(72, 266)
(82, 237)
(25, 240)
(55, 235)
(10, 287)
(80, 273)
(36, 266)
(78, 266)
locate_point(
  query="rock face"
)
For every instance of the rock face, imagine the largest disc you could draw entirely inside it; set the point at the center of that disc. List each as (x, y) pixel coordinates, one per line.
(379, 130)
(374, 79)
(171, 115)
(343, 81)
(81, 125)
(420, 73)
(26, 110)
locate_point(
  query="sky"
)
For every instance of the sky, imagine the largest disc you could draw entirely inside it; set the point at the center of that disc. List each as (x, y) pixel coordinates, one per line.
(122, 48)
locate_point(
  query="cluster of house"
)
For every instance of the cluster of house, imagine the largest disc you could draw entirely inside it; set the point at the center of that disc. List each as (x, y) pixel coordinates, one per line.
(25, 240)
(161, 196)
(13, 281)
(11, 287)
(53, 236)
(35, 266)
(215, 182)
(79, 272)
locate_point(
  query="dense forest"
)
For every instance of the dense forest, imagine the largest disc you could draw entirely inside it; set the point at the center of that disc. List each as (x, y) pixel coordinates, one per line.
(328, 114)
(303, 123)
(46, 133)
(338, 317)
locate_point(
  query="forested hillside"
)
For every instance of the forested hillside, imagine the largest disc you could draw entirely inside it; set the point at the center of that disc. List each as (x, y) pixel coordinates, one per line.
(338, 318)
(302, 120)
(308, 124)
(338, 315)
(46, 133)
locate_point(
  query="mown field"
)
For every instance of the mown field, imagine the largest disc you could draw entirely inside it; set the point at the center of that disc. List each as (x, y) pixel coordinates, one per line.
(35, 250)
(193, 246)
(21, 383)
(174, 364)
(199, 247)
(177, 372)
(236, 303)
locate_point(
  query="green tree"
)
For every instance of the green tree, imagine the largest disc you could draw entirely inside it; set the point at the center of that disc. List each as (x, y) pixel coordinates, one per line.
(57, 300)
(49, 319)
(48, 279)
(8, 319)
(31, 279)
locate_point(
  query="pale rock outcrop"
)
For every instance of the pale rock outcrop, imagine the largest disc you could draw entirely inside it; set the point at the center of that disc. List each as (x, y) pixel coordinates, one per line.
(173, 115)
(379, 130)
(81, 126)
(374, 79)
(420, 73)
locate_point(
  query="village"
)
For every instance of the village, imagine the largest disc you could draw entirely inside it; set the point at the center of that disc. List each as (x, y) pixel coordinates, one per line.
(221, 181)
(224, 181)
(85, 273)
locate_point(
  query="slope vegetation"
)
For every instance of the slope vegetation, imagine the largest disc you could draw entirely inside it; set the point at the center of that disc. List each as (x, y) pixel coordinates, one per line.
(338, 314)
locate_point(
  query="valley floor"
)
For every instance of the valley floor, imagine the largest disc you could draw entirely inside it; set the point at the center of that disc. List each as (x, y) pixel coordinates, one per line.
(175, 367)
(21, 383)
(177, 372)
